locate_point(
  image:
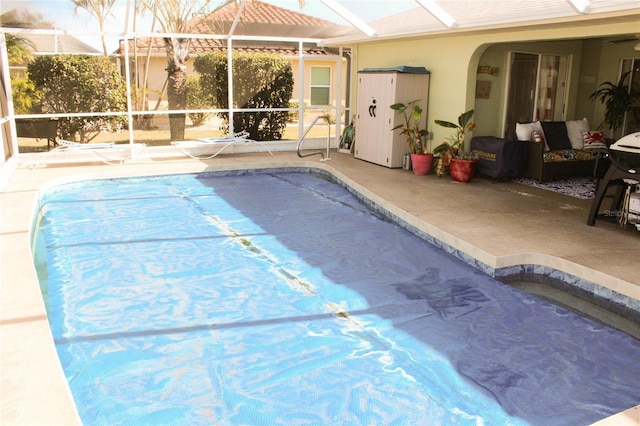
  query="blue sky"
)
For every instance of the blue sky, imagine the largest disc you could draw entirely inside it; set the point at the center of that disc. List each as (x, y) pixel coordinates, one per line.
(61, 12)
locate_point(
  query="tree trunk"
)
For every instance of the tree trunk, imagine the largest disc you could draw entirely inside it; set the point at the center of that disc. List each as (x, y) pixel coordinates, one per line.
(177, 57)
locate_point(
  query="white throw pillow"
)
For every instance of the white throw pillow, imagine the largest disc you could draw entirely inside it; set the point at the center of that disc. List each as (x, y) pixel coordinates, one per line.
(524, 131)
(575, 129)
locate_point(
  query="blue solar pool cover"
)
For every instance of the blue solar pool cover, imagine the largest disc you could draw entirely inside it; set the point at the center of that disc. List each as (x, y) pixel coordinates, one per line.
(280, 299)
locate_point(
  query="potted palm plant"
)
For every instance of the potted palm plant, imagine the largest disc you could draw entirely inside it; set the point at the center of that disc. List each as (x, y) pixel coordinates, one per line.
(617, 100)
(421, 158)
(462, 163)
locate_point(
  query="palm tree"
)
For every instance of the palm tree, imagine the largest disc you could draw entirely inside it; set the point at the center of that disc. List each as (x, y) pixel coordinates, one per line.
(100, 9)
(20, 52)
(174, 16)
(19, 49)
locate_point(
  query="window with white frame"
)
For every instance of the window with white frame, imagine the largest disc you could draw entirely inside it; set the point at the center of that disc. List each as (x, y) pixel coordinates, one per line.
(320, 86)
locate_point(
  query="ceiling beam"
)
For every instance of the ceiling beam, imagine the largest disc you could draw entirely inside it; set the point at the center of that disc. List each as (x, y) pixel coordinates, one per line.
(581, 6)
(439, 13)
(237, 19)
(350, 17)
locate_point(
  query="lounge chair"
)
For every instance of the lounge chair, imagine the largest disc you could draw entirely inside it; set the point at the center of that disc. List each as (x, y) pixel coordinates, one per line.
(108, 152)
(207, 148)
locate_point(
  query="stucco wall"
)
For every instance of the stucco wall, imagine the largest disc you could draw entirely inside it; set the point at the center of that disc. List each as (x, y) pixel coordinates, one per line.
(453, 57)
(446, 58)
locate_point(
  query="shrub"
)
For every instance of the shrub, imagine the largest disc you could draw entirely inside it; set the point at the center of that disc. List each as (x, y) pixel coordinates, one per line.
(293, 116)
(197, 99)
(260, 81)
(24, 95)
(77, 84)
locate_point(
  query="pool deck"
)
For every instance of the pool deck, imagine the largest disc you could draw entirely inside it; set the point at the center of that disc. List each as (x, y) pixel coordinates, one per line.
(500, 224)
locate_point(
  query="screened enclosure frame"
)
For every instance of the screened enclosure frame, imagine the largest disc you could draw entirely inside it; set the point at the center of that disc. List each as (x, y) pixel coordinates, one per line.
(342, 106)
(130, 113)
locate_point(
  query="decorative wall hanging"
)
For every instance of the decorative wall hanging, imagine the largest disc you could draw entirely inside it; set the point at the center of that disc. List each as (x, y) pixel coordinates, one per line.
(486, 69)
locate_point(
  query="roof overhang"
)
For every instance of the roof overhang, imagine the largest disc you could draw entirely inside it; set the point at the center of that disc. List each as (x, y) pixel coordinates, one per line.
(447, 17)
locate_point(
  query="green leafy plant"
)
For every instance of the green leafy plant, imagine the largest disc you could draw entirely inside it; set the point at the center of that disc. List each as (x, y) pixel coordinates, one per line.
(79, 84)
(19, 49)
(617, 100)
(260, 81)
(25, 95)
(411, 114)
(197, 99)
(454, 145)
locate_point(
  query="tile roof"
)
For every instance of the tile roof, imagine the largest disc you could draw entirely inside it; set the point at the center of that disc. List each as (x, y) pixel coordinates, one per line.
(201, 46)
(257, 19)
(257, 12)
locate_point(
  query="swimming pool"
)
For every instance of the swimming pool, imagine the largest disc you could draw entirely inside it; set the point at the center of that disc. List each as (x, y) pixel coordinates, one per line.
(279, 298)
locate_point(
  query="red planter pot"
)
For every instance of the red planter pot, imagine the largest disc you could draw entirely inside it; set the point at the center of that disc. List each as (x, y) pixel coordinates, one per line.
(462, 170)
(421, 163)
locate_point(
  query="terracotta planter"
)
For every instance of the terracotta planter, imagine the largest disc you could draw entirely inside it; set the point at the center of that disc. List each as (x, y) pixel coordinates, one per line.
(421, 163)
(462, 170)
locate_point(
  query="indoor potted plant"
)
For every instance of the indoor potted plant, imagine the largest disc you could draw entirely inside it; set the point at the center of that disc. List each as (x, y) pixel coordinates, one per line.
(462, 163)
(421, 158)
(617, 100)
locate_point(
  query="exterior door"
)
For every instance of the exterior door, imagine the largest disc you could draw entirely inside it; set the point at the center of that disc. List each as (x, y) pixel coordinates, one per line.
(536, 91)
(522, 89)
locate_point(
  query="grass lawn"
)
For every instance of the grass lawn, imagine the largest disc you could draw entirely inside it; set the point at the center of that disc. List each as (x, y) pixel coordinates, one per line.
(160, 136)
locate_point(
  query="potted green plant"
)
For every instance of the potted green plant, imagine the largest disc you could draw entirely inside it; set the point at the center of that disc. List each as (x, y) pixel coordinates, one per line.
(462, 163)
(421, 158)
(617, 100)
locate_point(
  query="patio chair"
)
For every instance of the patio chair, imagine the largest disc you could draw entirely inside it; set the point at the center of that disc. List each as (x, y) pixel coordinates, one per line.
(208, 148)
(108, 152)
